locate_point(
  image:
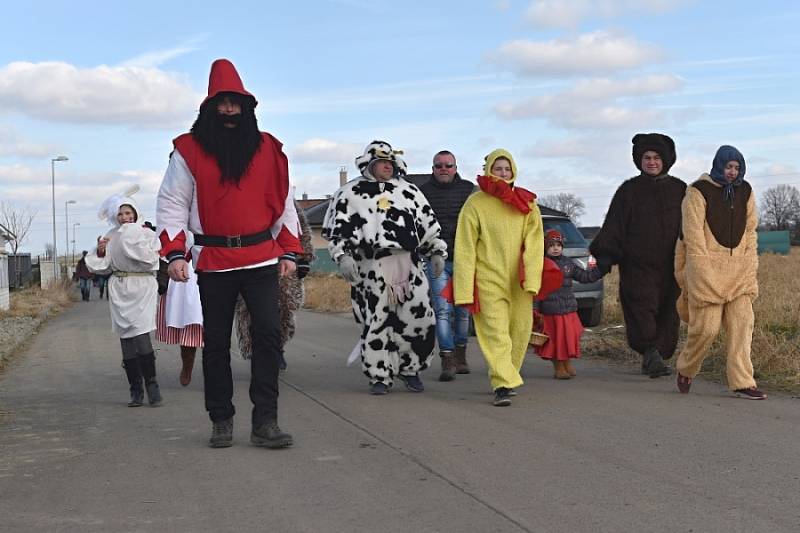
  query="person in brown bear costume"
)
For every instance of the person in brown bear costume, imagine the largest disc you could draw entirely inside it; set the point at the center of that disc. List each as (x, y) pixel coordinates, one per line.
(639, 235)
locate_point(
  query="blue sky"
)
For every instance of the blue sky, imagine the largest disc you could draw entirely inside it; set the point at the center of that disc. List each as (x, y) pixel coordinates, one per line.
(563, 85)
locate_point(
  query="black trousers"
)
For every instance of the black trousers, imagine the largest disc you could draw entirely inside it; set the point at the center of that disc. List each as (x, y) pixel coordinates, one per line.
(218, 293)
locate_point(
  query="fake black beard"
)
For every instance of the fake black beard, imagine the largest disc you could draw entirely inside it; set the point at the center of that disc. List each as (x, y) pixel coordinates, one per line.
(232, 148)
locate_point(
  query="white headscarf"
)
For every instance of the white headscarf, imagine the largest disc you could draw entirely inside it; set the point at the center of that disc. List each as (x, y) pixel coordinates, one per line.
(110, 206)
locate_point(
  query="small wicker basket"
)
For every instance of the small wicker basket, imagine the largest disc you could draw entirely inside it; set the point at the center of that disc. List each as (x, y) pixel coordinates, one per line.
(538, 339)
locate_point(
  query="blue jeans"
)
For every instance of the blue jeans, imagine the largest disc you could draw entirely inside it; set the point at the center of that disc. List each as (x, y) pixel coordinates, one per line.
(86, 286)
(452, 321)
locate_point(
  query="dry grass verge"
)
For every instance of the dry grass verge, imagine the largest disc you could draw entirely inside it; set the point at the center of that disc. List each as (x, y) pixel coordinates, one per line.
(35, 302)
(328, 293)
(776, 338)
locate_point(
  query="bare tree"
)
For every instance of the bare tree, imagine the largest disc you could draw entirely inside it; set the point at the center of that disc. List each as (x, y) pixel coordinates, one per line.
(15, 225)
(780, 207)
(566, 202)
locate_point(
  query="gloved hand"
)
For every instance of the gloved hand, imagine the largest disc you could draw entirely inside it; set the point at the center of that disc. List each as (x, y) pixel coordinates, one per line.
(437, 265)
(348, 268)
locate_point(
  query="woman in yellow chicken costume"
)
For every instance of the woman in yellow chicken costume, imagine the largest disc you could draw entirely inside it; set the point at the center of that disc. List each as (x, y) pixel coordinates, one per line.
(498, 269)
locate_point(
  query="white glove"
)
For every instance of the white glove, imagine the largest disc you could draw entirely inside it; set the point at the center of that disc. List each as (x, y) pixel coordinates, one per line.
(437, 265)
(349, 269)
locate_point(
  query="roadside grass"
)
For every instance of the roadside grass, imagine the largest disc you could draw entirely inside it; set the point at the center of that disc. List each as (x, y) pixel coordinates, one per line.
(327, 293)
(776, 337)
(36, 302)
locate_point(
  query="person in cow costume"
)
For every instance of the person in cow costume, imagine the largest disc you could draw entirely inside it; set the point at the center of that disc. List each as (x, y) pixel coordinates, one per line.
(228, 184)
(379, 227)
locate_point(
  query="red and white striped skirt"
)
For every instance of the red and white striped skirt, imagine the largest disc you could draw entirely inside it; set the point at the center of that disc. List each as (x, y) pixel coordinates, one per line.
(191, 335)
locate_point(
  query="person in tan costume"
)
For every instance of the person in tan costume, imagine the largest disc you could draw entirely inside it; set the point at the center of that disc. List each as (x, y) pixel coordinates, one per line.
(716, 266)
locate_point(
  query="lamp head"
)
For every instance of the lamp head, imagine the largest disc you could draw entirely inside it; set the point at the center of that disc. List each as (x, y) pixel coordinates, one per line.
(61, 158)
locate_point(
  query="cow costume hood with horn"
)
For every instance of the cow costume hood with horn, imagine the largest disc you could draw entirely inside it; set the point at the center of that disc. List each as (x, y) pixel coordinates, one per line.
(228, 184)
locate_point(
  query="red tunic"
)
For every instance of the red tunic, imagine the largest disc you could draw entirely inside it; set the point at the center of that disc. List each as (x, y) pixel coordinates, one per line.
(253, 206)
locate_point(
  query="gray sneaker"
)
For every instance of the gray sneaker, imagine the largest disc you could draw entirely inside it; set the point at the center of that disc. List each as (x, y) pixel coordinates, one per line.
(221, 434)
(269, 435)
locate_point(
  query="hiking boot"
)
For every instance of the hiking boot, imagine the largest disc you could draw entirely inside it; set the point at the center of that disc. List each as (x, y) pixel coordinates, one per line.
(221, 434)
(269, 435)
(134, 374)
(378, 388)
(502, 397)
(751, 393)
(461, 360)
(448, 366)
(570, 369)
(684, 383)
(412, 383)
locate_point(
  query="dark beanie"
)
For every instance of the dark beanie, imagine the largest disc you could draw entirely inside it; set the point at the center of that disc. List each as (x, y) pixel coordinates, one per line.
(657, 142)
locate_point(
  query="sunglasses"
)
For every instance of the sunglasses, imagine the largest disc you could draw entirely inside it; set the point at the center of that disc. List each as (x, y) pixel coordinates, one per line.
(442, 165)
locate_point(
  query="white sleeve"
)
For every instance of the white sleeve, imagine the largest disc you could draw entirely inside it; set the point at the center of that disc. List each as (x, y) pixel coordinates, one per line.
(174, 201)
(288, 218)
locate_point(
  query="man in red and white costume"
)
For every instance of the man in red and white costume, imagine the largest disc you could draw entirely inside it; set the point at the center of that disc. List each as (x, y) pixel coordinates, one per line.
(228, 184)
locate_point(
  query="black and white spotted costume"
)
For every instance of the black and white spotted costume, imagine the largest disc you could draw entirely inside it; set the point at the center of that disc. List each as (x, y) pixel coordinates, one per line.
(383, 225)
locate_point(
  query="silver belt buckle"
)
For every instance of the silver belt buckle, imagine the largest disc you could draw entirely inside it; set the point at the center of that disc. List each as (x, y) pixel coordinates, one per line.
(234, 241)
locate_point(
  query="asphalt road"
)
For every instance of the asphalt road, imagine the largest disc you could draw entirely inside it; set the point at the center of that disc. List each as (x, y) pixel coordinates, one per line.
(609, 451)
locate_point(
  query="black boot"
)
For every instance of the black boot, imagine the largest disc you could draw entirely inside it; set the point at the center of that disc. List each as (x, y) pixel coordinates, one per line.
(654, 364)
(134, 372)
(148, 362)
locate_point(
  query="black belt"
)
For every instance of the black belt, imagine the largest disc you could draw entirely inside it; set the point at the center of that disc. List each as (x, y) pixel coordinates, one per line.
(233, 241)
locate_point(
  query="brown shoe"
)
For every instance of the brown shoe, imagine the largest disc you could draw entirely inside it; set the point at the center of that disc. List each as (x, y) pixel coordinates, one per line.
(187, 355)
(448, 366)
(461, 360)
(559, 371)
(570, 369)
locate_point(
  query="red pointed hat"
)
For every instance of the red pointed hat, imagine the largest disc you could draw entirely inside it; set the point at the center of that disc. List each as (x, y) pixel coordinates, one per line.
(224, 79)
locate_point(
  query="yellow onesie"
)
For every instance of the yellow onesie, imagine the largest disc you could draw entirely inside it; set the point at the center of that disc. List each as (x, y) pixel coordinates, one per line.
(490, 238)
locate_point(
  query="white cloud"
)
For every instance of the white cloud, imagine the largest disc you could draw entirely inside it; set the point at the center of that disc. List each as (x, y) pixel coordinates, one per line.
(596, 103)
(12, 145)
(131, 96)
(570, 13)
(324, 151)
(591, 53)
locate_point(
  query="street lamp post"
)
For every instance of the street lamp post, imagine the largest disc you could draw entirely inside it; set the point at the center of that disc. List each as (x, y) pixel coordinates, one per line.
(73, 241)
(56, 272)
(66, 226)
